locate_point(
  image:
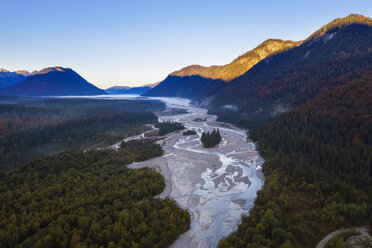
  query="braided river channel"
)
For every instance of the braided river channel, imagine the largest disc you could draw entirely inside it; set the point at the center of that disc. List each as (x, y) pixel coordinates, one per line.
(216, 185)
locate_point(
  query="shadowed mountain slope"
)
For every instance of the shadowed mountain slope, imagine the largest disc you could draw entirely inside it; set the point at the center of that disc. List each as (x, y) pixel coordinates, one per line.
(53, 81)
(8, 78)
(187, 87)
(200, 77)
(240, 65)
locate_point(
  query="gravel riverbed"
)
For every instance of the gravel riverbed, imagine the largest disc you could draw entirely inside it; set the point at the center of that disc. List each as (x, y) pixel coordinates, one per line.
(215, 185)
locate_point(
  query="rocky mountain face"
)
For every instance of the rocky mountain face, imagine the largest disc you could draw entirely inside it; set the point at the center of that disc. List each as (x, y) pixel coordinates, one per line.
(53, 81)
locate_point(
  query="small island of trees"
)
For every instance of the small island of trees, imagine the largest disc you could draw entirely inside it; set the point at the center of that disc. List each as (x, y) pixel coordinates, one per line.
(189, 132)
(169, 127)
(212, 139)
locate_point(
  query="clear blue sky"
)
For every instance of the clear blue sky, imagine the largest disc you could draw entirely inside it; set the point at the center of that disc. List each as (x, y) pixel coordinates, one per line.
(129, 42)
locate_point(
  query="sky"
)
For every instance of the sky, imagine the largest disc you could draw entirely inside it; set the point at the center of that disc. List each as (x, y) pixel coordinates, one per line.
(135, 42)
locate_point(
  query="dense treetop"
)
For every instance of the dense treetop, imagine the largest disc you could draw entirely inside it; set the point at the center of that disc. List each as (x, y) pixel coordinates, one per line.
(211, 139)
(169, 127)
(88, 200)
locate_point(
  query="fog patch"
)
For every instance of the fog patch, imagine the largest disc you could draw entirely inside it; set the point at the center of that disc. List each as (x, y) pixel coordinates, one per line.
(327, 37)
(204, 103)
(230, 107)
(279, 109)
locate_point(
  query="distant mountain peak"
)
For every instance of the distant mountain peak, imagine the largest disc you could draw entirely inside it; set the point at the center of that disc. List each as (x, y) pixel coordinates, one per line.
(23, 72)
(341, 23)
(118, 88)
(52, 81)
(20, 72)
(55, 68)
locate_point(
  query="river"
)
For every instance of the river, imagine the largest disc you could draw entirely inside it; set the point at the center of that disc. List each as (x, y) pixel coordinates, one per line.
(215, 185)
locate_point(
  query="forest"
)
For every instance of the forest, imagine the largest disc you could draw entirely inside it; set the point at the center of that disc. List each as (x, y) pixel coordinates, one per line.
(31, 128)
(169, 127)
(211, 139)
(318, 171)
(88, 199)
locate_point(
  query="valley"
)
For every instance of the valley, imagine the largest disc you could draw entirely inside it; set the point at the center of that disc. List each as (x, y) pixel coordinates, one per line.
(178, 127)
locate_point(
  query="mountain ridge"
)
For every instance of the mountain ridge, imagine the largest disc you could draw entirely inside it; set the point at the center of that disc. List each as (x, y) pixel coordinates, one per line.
(340, 23)
(285, 80)
(326, 33)
(280, 73)
(201, 78)
(53, 81)
(8, 78)
(240, 64)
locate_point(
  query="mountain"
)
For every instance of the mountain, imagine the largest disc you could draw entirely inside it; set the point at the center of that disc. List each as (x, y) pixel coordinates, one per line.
(8, 78)
(187, 87)
(340, 23)
(332, 56)
(318, 170)
(25, 73)
(240, 65)
(125, 90)
(196, 78)
(287, 73)
(53, 81)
